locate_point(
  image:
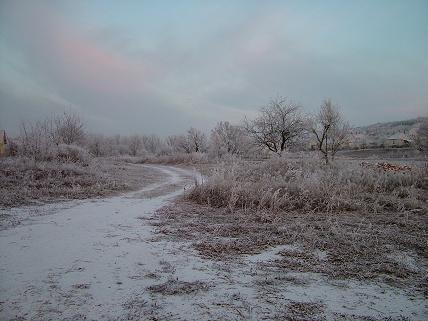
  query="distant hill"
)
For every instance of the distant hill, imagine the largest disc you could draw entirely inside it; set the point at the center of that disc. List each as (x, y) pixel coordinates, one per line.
(377, 133)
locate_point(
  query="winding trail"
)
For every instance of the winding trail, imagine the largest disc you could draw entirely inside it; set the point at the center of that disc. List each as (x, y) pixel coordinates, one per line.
(86, 260)
(101, 259)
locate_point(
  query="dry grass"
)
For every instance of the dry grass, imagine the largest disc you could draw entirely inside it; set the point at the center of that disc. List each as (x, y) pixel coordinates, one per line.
(310, 311)
(303, 185)
(24, 181)
(302, 311)
(362, 222)
(369, 247)
(175, 159)
(176, 287)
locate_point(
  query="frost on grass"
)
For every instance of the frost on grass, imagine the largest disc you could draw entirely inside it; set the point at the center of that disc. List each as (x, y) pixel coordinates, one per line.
(300, 311)
(177, 287)
(24, 181)
(304, 185)
(344, 221)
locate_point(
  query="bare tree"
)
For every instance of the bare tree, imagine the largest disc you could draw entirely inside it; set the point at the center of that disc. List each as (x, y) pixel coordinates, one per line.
(177, 144)
(135, 145)
(184, 144)
(226, 139)
(96, 144)
(196, 140)
(153, 144)
(35, 140)
(329, 130)
(278, 125)
(68, 129)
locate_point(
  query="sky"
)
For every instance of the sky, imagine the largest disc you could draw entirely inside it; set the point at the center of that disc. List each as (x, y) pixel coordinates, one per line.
(142, 67)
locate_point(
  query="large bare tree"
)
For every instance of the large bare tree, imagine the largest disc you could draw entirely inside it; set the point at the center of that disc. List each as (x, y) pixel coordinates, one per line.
(277, 127)
(329, 129)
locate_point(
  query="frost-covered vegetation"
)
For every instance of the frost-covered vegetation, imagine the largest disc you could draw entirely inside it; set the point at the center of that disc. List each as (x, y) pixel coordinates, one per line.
(279, 127)
(344, 220)
(306, 185)
(24, 181)
(53, 146)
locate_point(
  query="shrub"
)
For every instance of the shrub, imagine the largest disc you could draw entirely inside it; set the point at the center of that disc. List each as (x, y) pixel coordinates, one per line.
(73, 154)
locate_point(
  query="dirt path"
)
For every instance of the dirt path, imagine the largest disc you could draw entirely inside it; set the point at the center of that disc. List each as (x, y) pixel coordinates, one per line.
(84, 259)
(104, 260)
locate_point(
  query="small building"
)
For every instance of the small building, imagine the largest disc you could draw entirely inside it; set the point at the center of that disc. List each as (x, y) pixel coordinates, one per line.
(3, 142)
(398, 140)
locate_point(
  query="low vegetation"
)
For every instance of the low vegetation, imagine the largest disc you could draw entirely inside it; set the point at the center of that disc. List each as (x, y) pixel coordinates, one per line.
(177, 158)
(387, 246)
(305, 185)
(343, 220)
(176, 287)
(24, 181)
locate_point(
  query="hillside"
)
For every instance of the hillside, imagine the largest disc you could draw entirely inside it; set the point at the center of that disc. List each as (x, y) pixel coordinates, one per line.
(377, 133)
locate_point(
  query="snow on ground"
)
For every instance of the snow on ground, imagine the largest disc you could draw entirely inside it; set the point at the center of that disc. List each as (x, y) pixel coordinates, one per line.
(84, 257)
(101, 260)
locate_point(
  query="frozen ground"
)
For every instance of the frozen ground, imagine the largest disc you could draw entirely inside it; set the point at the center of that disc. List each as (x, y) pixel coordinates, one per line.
(102, 260)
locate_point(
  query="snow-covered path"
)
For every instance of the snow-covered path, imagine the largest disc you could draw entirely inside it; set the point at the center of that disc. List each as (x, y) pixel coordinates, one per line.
(84, 260)
(102, 260)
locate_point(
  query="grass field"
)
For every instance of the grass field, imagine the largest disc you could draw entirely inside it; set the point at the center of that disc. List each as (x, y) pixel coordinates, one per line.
(24, 182)
(353, 222)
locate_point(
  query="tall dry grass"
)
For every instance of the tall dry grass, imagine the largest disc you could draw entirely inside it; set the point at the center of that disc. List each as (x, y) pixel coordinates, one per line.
(177, 158)
(23, 181)
(306, 185)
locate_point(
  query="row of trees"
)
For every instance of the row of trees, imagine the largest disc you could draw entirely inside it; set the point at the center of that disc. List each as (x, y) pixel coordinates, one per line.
(279, 126)
(225, 139)
(193, 141)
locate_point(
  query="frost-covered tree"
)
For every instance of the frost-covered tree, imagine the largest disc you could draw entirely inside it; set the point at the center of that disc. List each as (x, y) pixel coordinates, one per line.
(177, 144)
(153, 144)
(226, 139)
(96, 144)
(135, 145)
(35, 140)
(196, 140)
(329, 130)
(278, 125)
(54, 138)
(68, 129)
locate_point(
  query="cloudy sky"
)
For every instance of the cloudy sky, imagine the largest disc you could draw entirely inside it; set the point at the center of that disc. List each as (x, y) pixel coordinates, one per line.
(162, 66)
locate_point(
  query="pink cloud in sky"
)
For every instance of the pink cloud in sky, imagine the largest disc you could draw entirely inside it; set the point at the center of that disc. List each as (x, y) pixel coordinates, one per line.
(59, 46)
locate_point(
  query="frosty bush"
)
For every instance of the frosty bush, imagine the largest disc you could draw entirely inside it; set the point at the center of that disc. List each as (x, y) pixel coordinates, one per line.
(36, 142)
(73, 154)
(303, 185)
(53, 139)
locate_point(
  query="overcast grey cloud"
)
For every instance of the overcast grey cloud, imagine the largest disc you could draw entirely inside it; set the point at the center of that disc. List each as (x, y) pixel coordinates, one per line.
(160, 67)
